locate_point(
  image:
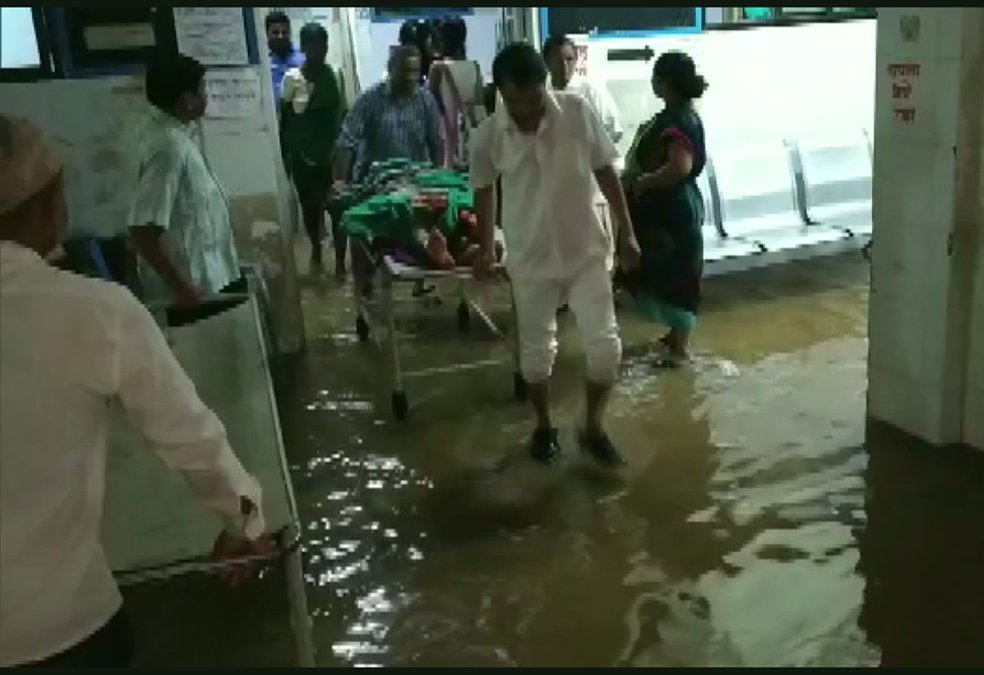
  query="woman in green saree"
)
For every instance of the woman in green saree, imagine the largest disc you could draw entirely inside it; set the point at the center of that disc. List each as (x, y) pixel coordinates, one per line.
(312, 109)
(667, 207)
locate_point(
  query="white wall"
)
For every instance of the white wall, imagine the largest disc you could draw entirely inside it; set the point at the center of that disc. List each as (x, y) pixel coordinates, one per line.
(812, 79)
(84, 118)
(926, 365)
(18, 44)
(95, 122)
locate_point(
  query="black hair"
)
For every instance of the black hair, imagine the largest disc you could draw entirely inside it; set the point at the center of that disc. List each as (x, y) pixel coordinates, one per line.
(679, 72)
(169, 76)
(520, 64)
(276, 17)
(488, 98)
(435, 28)
(555, 42)
(454, 35)
(311, 32)
(400, 52)
(415, 33)
(408, 32)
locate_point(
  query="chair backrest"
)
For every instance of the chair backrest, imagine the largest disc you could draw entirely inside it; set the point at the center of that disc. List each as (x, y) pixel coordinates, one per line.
(755, 182)
(704, 183)
(835, 172)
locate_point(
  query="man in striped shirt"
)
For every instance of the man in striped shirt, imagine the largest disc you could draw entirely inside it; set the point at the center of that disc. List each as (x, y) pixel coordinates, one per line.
(396, 119)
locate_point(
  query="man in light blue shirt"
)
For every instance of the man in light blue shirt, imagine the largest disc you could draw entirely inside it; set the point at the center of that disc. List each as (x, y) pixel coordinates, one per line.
(179, 216)
(283, 56)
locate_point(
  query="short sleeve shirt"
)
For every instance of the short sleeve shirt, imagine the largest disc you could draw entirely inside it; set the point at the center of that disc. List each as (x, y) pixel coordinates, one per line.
(177, 191)
(549, 221)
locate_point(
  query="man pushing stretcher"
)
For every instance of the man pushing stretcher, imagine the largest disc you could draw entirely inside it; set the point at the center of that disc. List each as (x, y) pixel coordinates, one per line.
(548, 148)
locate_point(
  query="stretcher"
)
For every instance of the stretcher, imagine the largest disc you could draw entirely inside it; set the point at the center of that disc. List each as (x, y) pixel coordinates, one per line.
(375, 312)
(154, 528)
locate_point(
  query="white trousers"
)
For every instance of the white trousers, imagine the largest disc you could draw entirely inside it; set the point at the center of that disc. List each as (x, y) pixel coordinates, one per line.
(589, 295)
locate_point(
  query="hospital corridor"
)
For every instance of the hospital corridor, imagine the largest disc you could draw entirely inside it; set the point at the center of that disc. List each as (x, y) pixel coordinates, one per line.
(492, 337)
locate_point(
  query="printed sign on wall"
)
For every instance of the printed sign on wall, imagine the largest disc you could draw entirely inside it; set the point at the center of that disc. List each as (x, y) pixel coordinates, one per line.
(216, 36)
(233, 93)
(904, 79)
(581, 51)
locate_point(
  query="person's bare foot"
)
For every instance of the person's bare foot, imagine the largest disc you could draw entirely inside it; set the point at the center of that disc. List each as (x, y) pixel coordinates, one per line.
(672, 359)
(670, 356)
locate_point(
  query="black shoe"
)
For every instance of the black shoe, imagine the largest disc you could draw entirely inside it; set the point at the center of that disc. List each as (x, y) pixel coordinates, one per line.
(600, 446)
(544, 446)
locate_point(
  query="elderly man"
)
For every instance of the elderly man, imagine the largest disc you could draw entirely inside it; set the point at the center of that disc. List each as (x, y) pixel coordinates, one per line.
(549, 148)
(397, 118)
(561, 57)
(70, 346)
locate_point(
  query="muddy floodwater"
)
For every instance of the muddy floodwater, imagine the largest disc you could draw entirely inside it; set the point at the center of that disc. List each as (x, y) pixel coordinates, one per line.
(753, 525)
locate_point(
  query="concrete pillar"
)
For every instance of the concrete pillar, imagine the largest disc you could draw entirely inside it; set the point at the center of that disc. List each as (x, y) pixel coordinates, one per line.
(926, 360)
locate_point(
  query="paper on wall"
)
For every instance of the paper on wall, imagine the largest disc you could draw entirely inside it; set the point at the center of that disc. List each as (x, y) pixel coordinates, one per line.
(581, 52)
(233, 93)
(216, 36)
(904, 80)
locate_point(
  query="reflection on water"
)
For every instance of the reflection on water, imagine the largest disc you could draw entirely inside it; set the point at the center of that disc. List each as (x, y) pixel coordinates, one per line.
(751, 526)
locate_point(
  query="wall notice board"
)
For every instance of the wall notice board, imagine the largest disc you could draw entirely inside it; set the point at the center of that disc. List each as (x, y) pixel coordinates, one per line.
(619, 21)
(99, 41)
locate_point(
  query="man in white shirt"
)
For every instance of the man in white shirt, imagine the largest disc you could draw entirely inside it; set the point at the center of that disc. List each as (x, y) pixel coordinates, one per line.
(560, 54)
(68, 346)
(179, 215)
(549, 148)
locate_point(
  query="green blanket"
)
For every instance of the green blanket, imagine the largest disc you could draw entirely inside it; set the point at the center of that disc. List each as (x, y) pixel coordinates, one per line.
(392, 215)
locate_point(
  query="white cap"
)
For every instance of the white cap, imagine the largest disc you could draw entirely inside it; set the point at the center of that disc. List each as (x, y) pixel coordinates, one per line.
(27, 162)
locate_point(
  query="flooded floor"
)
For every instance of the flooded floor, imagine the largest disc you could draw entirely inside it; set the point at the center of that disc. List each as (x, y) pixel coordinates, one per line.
(752, 526)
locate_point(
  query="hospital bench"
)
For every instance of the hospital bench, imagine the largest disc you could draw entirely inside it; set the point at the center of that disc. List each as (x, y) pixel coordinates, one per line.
(769, 203)
(722, 254)
(836, 183)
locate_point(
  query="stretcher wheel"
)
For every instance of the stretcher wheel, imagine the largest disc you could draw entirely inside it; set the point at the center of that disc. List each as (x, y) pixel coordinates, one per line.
(400, 405)
(519, 387)
(464, 318)
(362, 329)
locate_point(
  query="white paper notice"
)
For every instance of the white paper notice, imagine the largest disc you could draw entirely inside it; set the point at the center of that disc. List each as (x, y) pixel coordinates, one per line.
(216, 36)
(904, 78)
(232, 93)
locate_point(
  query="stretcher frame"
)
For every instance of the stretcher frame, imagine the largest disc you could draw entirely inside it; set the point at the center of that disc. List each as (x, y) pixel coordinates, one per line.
(384, 273)
(287, 534)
